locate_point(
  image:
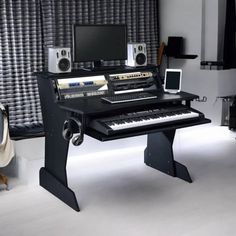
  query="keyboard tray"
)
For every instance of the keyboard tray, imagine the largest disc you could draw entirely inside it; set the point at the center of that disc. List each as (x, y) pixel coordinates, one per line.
(102, 137)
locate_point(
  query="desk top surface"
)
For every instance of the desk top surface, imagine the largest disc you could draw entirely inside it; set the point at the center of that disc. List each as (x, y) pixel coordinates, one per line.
(95, 106)
(87, 72)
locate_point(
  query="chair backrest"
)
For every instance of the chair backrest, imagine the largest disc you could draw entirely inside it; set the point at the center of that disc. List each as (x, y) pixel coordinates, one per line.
(1, 126)
(6, 145)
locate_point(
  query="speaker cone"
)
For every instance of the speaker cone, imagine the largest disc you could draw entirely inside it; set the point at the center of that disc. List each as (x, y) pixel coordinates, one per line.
(141, 59)
(64, 64)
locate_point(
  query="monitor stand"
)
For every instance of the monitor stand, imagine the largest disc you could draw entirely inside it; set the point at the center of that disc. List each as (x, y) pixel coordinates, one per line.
(98, 66)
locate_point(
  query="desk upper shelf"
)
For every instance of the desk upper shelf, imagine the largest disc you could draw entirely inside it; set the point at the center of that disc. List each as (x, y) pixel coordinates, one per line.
(92, 106)
(95, 106)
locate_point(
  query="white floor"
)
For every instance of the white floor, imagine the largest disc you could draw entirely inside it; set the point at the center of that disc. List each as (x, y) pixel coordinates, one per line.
(119, 195)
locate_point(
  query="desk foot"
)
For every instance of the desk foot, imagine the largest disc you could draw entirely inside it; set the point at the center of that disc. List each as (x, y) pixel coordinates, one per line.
(54, 186)
(181, 172)
(159, 155)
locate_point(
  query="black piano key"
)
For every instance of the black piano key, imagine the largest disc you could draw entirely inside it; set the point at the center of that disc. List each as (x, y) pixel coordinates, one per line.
(127, 120)
(146, 118)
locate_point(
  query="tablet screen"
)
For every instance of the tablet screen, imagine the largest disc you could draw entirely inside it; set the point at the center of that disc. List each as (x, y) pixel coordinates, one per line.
(173, 80)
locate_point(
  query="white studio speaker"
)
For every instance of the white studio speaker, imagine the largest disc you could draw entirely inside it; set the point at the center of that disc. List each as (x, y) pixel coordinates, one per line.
(136, 54)
(59, 60)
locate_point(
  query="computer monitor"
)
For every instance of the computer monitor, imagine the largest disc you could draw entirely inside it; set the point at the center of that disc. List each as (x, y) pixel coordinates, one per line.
(98, 43)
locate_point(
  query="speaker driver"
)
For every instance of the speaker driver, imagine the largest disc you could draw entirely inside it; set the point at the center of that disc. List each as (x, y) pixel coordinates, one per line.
(141, 59)
(64, 64)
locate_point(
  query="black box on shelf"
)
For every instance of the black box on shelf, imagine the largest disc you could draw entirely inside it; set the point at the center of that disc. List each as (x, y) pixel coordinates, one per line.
(175, 46)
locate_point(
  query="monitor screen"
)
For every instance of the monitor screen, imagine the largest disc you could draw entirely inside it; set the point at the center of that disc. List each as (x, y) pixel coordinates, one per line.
(94, 43)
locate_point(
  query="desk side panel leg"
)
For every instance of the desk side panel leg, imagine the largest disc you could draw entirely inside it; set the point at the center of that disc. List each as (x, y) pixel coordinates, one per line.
(53, 176)
(159, 155)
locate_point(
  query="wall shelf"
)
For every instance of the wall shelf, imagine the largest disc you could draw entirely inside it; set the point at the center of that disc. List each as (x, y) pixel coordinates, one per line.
(212, 65)
(187, 56)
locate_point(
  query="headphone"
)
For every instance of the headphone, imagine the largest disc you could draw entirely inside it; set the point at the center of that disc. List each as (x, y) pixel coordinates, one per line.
(70, 126)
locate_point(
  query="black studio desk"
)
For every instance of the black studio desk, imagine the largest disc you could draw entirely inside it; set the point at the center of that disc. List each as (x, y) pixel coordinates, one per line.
(158, 153)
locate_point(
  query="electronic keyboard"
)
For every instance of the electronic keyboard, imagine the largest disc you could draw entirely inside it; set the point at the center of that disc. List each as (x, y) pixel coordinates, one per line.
(143, 119)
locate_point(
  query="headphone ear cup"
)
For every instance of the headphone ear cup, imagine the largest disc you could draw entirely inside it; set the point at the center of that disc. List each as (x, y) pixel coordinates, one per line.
(78, 139)
(67, 134)
(69, 127)
(66, 131)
